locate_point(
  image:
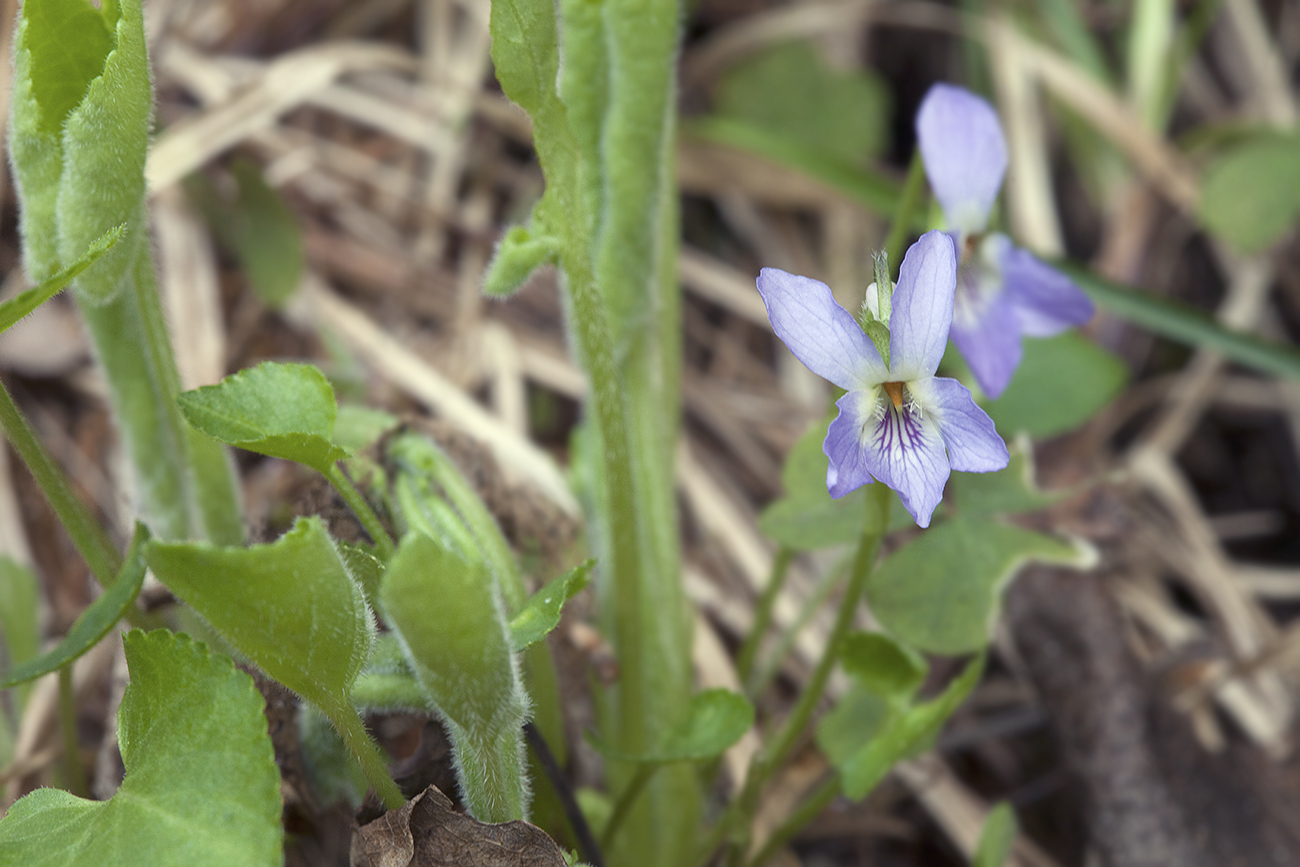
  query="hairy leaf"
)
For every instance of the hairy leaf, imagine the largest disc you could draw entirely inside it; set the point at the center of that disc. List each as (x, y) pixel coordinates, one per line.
(201, 785)
(281, 410)
(517, 256)
(24, 303)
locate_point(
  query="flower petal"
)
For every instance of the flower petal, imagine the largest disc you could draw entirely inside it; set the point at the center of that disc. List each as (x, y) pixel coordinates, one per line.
(820, 333)
(964, 153)
(905, 451)
(974, 445)
(922, 307)
(1046, 301)
(986, 328)
(844, 443)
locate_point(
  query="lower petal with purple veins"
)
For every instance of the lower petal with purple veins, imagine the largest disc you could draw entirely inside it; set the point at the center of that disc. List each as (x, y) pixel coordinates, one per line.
(845, 442)
(1046, 301)
(904, 450)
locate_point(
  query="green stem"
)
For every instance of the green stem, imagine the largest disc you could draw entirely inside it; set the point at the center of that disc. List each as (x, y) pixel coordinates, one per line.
(776, 751)
(76, 774)
(361, 507)
(809, 809)
(367, 752)
(763, 615)
(90, 539)
(644, 773)
(902, 220)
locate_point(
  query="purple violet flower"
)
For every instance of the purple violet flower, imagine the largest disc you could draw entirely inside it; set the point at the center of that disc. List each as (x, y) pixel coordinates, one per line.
(1003, 292)
(898, 418)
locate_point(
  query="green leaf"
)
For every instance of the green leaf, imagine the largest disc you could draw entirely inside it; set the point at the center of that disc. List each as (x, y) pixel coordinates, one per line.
(1178, 321)
(542, 612)
(517, 256)
(357, 427)
(807, 518)
(290, 606)
(280, 410)
(69, 41)
(1061, 383)
(997, 838)
(448, 615)
(891, 670)
(95, 622)
(904, 734)
(716, 719)
(788, 90)
(1251, 193)
(1009, 491)
(857, 717)
(941, 592)
(24, 303)
(201, 785)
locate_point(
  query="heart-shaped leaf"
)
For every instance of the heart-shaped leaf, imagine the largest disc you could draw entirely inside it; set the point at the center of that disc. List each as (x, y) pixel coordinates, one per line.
(280, 410)
(1009, 491)
(942, 591)
(201, 785)
(716, 719)
(883, 666)
(542, 612)
(997, 837)
(290, 606)
(356, 427)
(95, 622)
(1061, 382)
(856, 718)
(1251, 194)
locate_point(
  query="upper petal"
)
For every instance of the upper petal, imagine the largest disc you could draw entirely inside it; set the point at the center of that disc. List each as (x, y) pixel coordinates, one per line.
(922, 307)
(964, 153)
(974, 445)
(820, 333)
(845, 443)
(904, 450)
(1046, 301)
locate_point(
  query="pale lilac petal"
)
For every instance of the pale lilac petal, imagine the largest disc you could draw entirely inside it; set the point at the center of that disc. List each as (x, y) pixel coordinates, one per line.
(986, 329)
(905, 451)
(1046, 301)
(820, 333)
(922, 307)
(974, 445)
(845, 442)
(964, 153)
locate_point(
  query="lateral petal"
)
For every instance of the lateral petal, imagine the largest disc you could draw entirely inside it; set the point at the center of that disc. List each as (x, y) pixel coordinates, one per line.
(820, 333)
(974, 445)
(845, 443)
(1046, 301)
(964, 152)
(986, 328)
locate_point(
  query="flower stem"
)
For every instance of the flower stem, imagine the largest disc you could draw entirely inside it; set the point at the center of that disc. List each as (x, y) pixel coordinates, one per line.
(907, 202)
(626, 799)
(807, 811)
(366, 515)
(76, 774)
(367, 752)
(763, 616)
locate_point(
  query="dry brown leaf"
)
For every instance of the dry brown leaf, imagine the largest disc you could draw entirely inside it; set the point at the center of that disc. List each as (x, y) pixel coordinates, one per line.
(427, 832)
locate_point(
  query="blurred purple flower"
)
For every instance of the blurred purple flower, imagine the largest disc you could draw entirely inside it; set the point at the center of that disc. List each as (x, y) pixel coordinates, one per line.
(898, 418)
(1003, 292)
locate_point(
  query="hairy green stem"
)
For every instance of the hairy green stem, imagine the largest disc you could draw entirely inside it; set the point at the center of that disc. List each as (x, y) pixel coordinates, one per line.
(76, 774)
(763, 616)
(367, 752)
(365, 514)
(90, 539)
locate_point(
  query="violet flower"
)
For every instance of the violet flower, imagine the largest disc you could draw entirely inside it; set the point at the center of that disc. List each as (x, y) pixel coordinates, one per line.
(1003, 292)
(898, 419)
